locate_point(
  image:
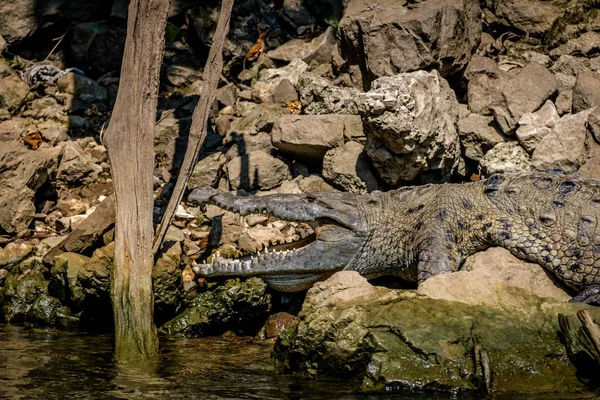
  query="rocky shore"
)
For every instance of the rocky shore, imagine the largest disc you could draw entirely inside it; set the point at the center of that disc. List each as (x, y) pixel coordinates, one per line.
(347, 96)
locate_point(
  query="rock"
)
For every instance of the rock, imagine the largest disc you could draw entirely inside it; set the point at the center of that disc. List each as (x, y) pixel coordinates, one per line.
(574, 19)
(257, 170)
(170, 140)
(532, 17)
(3, 275)
(586, 44)
(98, 46)
(166, 281)
(349, 168)
(246, 18)
(258, 237)
(586, 92)
(70, 207)
(396, 339)
(64, 283)
(524, 93)
(478, 134)
(246, 143)
(182, 76)
(22, 173)
(76, 167)
(277, 323)
(564, 147)
(392, 38)
(411, 123)
(504, 157)
(94, 277)
(207, 171)
(46, 107)
(533, 127)
(54, 131)
(19, 20)
(484, 93)
(591, 168)
(311, 136)
(12, 89)
(3, 44)
(227, 95)
(285, 92)
(14, 128)
(85, 93)
(13, 253)
(320, 96)
(593, 123)
(259, 118)
(237, 306)
(25, 298)
(295, 13)
(271, 78)
(488, 276)
(315, 183)
(314, 52)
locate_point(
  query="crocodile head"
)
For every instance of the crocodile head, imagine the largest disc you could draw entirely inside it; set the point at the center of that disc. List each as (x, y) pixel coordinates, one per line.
(339, 224)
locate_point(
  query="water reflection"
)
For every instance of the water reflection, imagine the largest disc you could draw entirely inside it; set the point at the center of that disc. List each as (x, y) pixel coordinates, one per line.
(49, 364)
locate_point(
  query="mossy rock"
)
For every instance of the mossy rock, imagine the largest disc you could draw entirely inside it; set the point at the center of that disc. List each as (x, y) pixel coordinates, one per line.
(239, 306)
(398, 339)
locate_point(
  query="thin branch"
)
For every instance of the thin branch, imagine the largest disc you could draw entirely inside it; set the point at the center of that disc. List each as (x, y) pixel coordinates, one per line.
(212, 73)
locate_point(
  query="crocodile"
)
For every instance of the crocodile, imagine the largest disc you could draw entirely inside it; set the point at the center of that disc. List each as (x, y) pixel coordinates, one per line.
(419, 231)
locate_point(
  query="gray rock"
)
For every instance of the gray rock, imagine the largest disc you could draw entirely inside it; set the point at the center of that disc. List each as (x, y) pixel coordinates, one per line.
(285, 92)
(22, 172)
(533, 127)
(391, 38)
(3, 44)
(296, 14)
(207, 171)
(532, 17)
(247, 143)
(19, 19)
(64, 283)
(320, 96)
(46, 107)
(104, 53)
(257, 170)
(349, 168)
(524, 93)
(182, 76)
(85, 92)
(314, 52)
(593, 124)
(227, 95)
(12, 89)
(504, 157)
(76, 167)
(410, 121)
(586, 44)
(271, 78)
(260, 117)
(478, 134)
(565, 146)
(586, 92)
(310, 136)
(12, 129)
(314, 183)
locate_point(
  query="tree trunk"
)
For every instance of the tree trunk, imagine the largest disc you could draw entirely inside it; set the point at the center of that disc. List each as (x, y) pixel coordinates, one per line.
(130, 143)
(198, 130)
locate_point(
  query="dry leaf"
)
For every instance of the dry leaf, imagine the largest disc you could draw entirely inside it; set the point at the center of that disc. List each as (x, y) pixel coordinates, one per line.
(33, 139)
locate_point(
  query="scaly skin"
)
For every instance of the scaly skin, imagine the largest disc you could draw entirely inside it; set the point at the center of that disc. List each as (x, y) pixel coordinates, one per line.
(417, 232)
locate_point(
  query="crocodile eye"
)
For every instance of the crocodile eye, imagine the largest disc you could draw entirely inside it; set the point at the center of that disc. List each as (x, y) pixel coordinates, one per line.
(310, 198)
(492, 184)
(567, 187)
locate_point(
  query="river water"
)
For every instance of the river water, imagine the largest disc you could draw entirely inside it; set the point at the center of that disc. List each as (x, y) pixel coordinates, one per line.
(49, 364)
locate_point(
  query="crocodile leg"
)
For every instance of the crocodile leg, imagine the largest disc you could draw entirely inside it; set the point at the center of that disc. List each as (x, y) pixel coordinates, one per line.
(589, 295)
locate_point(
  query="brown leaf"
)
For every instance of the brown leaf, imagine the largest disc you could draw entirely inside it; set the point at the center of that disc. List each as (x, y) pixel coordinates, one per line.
(33, 139)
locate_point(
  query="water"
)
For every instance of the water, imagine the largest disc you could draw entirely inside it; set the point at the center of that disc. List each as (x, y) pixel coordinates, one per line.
(50, 364)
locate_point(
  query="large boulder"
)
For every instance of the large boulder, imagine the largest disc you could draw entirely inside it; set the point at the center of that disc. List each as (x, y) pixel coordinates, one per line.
(320, 96)
(565, 146)
(311, 136)
(256, 170)
(478, 134)
(482, 330)
(534, 17)
(410, 121)
(349, 168)
(504, 157)
(586, 92)
(389, 38)
(22, 173)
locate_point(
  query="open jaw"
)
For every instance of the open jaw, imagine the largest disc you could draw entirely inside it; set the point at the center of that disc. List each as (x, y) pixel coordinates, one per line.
(338, 238)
